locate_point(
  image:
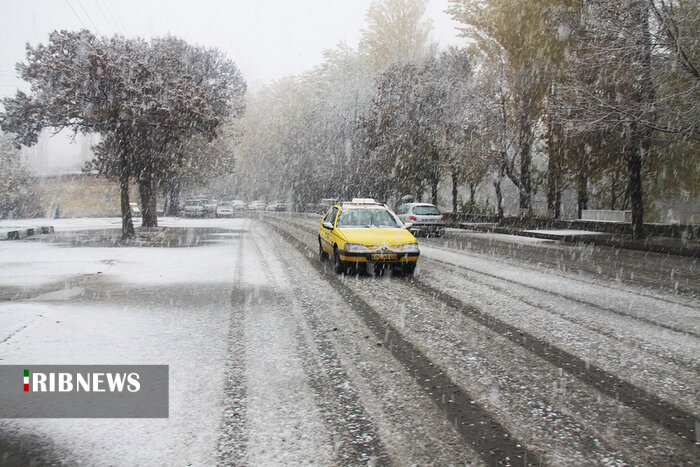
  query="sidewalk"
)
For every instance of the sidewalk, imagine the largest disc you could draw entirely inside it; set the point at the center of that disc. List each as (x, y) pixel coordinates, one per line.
(664, 245)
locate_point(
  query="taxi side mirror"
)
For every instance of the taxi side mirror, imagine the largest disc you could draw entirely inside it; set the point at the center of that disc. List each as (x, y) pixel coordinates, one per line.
(328, 225)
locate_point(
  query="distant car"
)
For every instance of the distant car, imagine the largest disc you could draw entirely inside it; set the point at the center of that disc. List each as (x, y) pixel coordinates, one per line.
(195, 208)
(210, 207)
(422, 219)
(362, 232)
(278, 206)
(238, 205)
(135, 210)
(225, 209)
(325, 204)
(257, 205)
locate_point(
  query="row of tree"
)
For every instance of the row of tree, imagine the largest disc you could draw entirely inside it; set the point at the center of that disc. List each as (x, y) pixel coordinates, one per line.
(601, 95)
(604, 93)
(158, 107)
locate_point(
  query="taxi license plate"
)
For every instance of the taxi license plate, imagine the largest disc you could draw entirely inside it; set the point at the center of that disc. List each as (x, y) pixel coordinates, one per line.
(383, 256)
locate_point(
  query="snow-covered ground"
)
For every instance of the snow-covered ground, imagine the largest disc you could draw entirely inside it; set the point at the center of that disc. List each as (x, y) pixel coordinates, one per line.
(272, 363)
(563, 232)
(515, 239)
(125, 305)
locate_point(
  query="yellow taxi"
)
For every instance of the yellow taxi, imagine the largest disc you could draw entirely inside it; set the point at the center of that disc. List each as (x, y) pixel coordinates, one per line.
(363, 232)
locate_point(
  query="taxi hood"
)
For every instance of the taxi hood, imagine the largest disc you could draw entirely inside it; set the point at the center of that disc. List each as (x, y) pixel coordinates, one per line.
(377, 236)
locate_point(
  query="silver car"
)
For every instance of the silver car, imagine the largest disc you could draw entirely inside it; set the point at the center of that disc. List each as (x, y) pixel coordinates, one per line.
(195, 208)
(225, 209)
(422, 219)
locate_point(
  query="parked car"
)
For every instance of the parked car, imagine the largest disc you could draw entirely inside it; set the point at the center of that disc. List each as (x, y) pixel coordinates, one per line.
(361, 232)
(135, 210)
(278, 206)
(422, 219)
(257, 205)
(325, 204)
(195, 208)
(210, 207)
(238, 205)
(225, 209)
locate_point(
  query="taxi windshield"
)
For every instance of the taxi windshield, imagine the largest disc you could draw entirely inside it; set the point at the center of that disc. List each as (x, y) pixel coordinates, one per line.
(366, 218)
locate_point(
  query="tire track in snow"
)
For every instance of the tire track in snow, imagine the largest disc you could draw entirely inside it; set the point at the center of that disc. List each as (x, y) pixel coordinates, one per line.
(687, 363)
(412, 430)
(581, 301)
(233, 440)
(648, 405)
(354, 438)
(654, 409)
(488, 437)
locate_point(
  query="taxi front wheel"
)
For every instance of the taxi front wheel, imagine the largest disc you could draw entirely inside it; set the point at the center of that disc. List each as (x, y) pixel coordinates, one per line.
(409, 268)
(323, 256)
(338, 265)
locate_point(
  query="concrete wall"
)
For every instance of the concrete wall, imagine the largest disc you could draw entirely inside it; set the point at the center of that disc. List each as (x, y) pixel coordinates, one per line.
(81, 195)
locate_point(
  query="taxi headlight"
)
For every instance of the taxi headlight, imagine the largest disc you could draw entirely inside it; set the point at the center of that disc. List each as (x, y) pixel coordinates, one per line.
(410, 248)
(355, 248)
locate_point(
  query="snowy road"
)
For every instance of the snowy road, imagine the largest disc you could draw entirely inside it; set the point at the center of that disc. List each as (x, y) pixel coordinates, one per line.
(500, 350)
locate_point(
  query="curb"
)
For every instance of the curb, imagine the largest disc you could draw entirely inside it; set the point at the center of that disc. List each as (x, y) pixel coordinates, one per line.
(18, 234)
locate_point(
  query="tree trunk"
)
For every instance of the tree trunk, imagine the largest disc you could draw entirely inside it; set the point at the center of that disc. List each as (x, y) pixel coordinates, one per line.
(174, 194)
(497, 187)
(127, 223)
(149, 214)
(436, 175)
(613, 189)
(525, 186)
(499, 198)
(553, 187)
(172, 199)
(455, 190)
(472, 193)
(582, 192)
(634, 167)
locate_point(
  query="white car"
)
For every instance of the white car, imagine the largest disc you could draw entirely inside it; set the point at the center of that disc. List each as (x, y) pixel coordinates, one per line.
(225, 209)
(279, 206)
(210, 207)
(422, 218)
(238, 205)
(257, 205)
(135, 211)
(195, 208)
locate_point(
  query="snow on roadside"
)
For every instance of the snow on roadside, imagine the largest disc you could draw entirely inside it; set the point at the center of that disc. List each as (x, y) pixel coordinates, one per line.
(65, 225)
(517, 239)
(140, 306)
(564, 232)
(99, 223)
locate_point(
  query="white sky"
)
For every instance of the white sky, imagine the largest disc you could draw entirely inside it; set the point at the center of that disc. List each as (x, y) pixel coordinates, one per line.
(267, 39)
